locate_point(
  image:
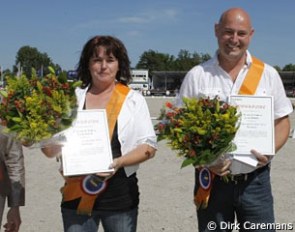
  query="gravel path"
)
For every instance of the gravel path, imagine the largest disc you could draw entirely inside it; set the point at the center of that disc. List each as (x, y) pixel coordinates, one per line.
(166, 190)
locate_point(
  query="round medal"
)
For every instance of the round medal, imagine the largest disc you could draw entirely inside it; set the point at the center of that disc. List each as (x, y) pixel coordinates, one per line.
(205, 178)
(93, 185)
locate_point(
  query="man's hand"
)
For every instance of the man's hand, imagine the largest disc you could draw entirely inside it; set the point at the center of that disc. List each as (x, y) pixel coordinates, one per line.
(262, 159)
(13, 220)
(220, 166)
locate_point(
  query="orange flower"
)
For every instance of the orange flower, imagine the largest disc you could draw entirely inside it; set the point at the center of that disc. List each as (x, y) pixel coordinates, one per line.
(169, 105)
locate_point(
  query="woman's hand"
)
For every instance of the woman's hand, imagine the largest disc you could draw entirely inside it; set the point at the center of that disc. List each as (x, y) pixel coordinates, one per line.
(52, 150)
(105, 175)
(140, 154)
(117, 163)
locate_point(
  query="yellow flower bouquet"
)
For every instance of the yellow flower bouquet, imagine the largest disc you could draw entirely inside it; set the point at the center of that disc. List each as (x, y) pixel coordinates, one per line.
(34, 109)
(200, 131)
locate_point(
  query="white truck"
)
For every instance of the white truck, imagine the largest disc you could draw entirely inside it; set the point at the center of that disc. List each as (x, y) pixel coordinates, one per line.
(140, 80)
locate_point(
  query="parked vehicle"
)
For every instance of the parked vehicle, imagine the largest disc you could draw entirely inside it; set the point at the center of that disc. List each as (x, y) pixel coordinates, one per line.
(72, 75)
(140, 80)
(167, 83)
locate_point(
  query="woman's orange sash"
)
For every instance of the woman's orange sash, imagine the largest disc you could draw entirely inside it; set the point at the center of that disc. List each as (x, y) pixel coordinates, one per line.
(248, 87)
(73, 186)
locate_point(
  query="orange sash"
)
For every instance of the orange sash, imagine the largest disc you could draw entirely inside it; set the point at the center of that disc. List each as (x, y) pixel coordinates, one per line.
(73, 186)
(248, 87)
(252, 78)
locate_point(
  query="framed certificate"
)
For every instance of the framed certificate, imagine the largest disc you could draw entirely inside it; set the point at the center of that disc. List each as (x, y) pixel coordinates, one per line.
(87, 149)
(256, 129)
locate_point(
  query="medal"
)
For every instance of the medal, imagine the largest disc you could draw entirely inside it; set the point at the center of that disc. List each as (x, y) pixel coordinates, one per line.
(93, 184)
(205, 178)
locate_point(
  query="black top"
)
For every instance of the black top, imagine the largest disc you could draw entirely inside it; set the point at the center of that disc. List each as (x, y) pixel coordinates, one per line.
(121, 192)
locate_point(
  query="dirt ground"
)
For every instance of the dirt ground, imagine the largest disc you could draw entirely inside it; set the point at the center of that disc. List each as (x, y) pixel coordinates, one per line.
(166, 190)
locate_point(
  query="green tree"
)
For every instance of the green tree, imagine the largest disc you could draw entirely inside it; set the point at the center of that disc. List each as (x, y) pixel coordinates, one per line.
(185, 60)
(289, 67)
(155, 61)
(205, 57)
(29, 57)
(277, 68)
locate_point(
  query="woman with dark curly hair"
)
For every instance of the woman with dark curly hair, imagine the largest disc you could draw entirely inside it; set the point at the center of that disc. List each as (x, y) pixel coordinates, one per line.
(113, 47)
(104, 69)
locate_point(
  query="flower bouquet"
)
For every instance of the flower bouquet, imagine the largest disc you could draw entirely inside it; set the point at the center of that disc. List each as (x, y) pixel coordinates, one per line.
(200, 131)
(34, 109)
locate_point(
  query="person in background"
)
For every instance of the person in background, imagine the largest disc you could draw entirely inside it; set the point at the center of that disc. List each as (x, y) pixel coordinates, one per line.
(247, 196)
(12, 181)
(104, 69)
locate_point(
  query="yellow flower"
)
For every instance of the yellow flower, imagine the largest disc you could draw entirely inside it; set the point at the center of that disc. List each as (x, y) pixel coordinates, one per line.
(199, 131)
(34, 109)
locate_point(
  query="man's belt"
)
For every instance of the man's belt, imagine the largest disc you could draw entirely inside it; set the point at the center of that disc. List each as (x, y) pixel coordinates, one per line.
(246, 176)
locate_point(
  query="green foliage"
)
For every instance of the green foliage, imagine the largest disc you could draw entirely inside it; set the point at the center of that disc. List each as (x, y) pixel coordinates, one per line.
(200, 131)
(35, 109)
(289, 67)
(156, 61)
(153, 61)
(30, 58)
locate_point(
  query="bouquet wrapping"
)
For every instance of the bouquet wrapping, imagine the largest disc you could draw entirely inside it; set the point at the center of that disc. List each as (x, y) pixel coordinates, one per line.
(34, 109)
(200, 131)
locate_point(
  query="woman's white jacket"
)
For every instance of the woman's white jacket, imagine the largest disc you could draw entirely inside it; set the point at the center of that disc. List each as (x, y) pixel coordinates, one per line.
(134, 123)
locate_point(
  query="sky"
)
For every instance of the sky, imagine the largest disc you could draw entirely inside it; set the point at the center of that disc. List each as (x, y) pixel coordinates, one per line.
(60, 28)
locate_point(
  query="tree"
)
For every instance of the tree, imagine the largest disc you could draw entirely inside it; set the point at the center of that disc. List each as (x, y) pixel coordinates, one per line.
(155, 61)
(289, 67)
(205, 57)
(185, 60)
(29, 57)
(277, 68)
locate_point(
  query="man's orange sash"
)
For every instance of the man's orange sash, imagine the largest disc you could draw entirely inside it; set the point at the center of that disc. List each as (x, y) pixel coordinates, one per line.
(73, 187)
(252, 78)
(248, 87)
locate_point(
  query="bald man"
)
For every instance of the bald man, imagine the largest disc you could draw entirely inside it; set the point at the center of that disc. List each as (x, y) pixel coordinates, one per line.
(247, 196)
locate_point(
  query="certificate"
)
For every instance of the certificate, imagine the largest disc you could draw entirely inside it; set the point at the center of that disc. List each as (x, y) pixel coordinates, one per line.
(87, 149)
(256, 129)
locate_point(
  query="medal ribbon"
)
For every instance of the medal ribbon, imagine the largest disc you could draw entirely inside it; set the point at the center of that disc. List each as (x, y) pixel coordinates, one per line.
(248, 87)
(73, 187)
(201, 198)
